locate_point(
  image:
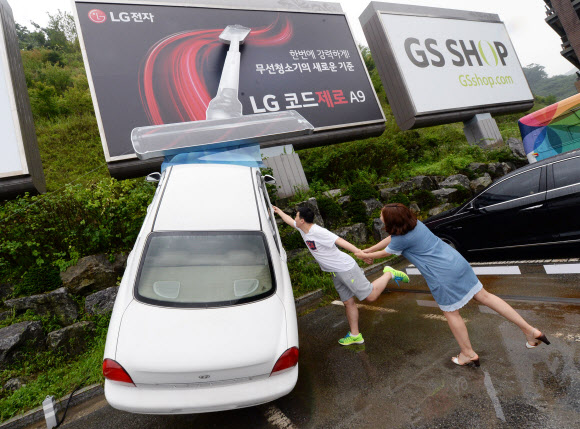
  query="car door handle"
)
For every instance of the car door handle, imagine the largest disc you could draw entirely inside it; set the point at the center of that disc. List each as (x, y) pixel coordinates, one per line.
(532, 208)
(455, 228)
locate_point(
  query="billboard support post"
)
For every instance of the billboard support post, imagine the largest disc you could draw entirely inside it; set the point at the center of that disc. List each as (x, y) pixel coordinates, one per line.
(482, 130)
(289, 174)
(286, 168)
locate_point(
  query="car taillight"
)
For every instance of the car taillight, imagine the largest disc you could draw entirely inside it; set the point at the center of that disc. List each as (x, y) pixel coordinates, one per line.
(113, 371)
(288, 360)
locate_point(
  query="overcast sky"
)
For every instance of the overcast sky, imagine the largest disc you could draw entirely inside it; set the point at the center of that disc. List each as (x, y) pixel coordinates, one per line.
(533, 39)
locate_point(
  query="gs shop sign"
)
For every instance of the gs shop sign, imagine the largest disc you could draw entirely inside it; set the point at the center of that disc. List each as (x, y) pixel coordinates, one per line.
(442, 65)
(462, 52)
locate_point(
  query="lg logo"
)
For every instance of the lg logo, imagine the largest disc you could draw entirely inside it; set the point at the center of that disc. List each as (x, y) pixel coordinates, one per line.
(462, 52)
(97, 16)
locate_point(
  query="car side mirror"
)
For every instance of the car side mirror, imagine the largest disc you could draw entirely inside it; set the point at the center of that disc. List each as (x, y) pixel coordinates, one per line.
(153, 177)
(472, 207)
(268, 179)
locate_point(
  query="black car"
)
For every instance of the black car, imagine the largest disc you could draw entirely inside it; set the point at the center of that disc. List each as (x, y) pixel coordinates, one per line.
(529, 210)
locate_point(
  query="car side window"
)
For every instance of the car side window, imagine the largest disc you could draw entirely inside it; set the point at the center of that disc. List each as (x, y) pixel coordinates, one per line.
(522, 185)
(566, 173)
(266, 200)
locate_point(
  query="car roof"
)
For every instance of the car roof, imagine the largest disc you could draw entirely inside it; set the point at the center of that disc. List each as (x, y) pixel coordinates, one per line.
(543, 162)
(551, 159)
(208, 197)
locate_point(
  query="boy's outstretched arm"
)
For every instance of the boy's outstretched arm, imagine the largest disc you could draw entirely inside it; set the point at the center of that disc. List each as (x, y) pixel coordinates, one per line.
(346, 245)
(284, 216)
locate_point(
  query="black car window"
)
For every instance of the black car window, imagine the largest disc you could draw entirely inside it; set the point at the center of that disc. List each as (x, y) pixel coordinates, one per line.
(567, 172)
(522, 185)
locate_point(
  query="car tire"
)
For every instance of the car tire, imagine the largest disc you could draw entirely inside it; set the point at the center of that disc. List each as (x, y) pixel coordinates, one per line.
(452, 243)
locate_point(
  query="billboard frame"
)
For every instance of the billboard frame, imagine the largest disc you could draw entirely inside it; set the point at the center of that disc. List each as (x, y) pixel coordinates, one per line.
(393, 77)
(126, 166)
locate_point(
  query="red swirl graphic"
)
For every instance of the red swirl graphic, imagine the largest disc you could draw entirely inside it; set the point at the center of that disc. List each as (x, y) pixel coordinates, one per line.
(171, 81)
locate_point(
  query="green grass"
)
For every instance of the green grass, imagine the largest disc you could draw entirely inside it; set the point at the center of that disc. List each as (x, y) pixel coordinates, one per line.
(306, 276)
(71, 151)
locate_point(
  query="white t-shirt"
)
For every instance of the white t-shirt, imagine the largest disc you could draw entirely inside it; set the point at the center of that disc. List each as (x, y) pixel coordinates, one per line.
(320, 242)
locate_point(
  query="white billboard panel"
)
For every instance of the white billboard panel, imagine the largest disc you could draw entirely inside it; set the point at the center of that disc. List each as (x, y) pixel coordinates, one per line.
(20, 163)
(12, 160)
(451, 64)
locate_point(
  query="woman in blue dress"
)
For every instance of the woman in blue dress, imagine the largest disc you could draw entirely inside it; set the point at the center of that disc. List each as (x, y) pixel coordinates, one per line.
(448, 275)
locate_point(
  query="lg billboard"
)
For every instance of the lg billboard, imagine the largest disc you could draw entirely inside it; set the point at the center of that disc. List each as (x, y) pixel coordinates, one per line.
(152, 63)
(442, 65)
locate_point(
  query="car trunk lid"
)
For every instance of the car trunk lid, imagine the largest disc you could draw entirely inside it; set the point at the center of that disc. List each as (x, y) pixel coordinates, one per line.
(159, 345)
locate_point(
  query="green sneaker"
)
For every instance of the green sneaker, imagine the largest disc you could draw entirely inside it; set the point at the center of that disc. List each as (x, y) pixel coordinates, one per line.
(349, 339)
(397, 275)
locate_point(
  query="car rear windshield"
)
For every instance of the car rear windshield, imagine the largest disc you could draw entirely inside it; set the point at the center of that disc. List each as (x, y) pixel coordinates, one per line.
(204, 269)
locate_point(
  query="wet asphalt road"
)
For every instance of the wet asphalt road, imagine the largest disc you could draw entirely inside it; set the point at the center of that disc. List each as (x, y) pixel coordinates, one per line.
(402, 377)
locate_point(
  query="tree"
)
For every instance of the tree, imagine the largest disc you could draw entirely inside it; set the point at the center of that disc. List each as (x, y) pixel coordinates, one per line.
(372, 69)
(557, 87)
(29, 41)
(367, 57)
(61, 32)
(60, 35)
(535, 73)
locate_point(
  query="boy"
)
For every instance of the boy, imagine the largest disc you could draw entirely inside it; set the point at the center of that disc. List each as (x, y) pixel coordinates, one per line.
(349, 280)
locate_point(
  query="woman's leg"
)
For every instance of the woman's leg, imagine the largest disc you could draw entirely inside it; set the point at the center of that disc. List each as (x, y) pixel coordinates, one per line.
(500, 306)
(457, 326)
(352, 316)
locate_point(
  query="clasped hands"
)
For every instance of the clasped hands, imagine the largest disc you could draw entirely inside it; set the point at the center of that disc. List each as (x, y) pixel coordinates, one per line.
(360, 254)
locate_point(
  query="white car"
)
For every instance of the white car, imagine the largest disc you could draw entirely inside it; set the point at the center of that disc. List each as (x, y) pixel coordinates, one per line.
(204, 319)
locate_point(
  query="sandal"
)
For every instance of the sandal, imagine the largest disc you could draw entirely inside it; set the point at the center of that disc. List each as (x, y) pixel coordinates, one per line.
(470, 362)
(537, 340)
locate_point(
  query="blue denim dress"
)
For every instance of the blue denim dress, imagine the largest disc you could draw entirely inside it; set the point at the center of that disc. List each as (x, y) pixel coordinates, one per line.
(448, 275)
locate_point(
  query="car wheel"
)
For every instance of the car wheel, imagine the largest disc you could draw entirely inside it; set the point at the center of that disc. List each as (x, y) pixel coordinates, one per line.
(451, 242)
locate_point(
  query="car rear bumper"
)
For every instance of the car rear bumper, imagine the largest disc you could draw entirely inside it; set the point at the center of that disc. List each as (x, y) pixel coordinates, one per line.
(185, 400)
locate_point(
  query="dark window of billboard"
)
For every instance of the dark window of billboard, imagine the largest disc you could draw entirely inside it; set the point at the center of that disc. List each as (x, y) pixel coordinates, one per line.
(567, 172)
(518, 186)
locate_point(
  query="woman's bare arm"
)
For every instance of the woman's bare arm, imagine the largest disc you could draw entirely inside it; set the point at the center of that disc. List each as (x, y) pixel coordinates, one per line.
(382, 245)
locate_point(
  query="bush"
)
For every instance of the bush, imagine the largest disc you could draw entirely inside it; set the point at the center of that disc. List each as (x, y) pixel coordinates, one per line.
(338, 165)
(44, 101)
(463, 194)
(38, 279)
(306, 276)
(57, 229)
(330, 211)
(400, 198)
(291, 239)
(77, 100)
(362, 191)
(411, 142)
(356, 212)
(423, 198)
